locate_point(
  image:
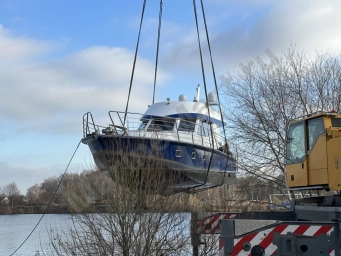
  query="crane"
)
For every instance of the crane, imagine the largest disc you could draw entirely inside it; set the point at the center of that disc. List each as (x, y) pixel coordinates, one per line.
(312, 225)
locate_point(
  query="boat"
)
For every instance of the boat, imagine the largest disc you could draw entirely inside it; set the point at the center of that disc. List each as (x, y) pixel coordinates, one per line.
(177, 145)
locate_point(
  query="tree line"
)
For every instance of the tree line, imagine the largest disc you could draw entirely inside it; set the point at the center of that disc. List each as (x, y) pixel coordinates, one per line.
(93, 190)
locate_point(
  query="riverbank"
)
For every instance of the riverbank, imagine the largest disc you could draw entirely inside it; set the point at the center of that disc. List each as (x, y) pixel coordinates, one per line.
(7, 210)
(56, 209)
(192, 206)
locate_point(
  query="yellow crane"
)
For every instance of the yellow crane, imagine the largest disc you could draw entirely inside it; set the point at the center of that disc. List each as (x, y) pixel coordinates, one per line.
(311, 226)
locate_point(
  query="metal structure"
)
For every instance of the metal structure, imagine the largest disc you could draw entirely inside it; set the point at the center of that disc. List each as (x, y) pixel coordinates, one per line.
(264, 237)
(310, 226)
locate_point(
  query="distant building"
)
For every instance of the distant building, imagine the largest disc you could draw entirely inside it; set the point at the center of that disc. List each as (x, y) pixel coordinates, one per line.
(4, 200)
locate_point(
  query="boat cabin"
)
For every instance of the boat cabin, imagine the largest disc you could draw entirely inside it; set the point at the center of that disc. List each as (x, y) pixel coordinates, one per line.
(179, 118)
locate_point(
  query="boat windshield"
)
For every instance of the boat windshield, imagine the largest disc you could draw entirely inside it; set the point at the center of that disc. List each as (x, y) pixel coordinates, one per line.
(143, 124)
(187, 125)
(161, 125)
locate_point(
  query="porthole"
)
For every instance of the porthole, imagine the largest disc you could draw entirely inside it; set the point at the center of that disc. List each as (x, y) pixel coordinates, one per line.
(193, 155)
(203, 157)
(178, 153)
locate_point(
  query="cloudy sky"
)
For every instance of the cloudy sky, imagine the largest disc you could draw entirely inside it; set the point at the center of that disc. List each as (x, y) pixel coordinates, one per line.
(61, 59)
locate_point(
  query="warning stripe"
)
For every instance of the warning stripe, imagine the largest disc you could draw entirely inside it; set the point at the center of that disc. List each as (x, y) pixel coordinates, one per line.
(307, 230)
(272, 249)
(209, 221)
(301, 229)
(213, 223)
(222, 217)
(323, 230)
(265, 237)
(312, 230)
(239, 245)
(268, 239)
(221, 247)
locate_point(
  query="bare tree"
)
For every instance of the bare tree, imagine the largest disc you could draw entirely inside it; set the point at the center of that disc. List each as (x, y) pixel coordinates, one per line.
(34, 193)
(11, 191)
(209, 245)
(261, 100)
(137, 219)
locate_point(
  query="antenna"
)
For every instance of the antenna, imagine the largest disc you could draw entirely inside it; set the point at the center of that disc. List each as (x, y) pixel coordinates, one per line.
(197, 97)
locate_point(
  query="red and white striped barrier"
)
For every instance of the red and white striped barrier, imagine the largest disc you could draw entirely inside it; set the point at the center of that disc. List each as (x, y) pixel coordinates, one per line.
(264, 238)
(211, 224)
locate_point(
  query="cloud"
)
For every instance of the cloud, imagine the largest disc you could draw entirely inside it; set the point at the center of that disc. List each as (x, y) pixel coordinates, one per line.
(310, 24)
(15, 50)
(55, 94)
(239, 35)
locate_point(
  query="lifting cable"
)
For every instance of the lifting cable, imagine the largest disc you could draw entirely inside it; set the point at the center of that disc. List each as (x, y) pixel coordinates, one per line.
(133, 71)
(214, 77)
(48, 206)
(204, 80)
(157, 47)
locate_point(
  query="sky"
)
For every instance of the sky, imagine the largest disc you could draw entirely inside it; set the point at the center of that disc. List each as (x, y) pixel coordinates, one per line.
(61, 59)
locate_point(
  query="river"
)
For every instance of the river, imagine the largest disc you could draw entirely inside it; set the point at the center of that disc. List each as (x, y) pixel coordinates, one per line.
(15, 228)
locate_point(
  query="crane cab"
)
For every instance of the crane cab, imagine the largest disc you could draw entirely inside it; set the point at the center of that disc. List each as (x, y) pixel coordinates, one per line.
(313, 151)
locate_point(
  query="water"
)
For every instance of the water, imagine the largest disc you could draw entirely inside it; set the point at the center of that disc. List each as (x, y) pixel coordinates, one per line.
(15, 228)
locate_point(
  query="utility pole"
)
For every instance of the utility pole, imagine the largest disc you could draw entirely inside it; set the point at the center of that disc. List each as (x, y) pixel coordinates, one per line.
(195, 237)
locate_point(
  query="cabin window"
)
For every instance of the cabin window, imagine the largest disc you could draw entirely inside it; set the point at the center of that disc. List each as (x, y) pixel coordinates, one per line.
(161, 125)
(336, 122)
(187, 125)
(193, 155)
(204, 129)
(315, 129)
(296, 143)
(178, 153)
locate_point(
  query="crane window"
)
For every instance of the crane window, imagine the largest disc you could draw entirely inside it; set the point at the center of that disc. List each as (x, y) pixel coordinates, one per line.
(296, 143)
(315, 129)
(336, 122)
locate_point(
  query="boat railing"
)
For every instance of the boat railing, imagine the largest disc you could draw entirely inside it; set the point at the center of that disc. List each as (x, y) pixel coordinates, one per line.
(135, 124)
(89, 126)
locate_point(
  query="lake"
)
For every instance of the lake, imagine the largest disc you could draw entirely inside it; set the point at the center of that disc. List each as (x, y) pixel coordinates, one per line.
(15, 228)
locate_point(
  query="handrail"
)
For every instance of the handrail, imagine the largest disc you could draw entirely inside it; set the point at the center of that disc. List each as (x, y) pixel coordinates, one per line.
(185, 131)
(112, 121)
(86, 128)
